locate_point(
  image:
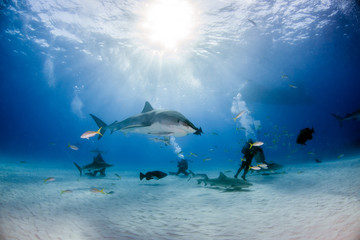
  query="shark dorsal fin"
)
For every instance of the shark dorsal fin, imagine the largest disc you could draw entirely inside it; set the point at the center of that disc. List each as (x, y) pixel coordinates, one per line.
(98, 158)
(147, 107)
(222, 175)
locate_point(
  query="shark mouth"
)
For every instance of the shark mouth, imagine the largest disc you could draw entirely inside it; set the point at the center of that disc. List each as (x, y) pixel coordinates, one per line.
(198, 131)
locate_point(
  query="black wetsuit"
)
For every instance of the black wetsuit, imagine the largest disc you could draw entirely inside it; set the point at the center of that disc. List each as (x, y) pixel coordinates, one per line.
(183, 166)
(248, 155)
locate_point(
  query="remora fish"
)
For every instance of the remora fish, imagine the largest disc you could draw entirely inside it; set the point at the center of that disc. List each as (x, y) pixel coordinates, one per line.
(225, 182)
(252, 22)
(350, 116)
(153, 122)
(97, 165)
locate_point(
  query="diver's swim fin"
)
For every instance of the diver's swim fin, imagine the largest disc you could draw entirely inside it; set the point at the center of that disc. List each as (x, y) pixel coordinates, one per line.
(79, 168)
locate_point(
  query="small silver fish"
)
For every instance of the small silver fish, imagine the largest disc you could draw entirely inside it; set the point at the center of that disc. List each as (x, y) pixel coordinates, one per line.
(73, 147)
(49, 179)
(239, 115)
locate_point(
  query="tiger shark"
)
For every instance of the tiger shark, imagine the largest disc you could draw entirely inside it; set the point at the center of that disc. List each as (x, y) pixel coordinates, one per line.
(224, 182)
(98, 165)
(350, 116)
(153, 122)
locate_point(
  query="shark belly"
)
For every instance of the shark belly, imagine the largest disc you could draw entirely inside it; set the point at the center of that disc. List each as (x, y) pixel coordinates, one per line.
(158, 129)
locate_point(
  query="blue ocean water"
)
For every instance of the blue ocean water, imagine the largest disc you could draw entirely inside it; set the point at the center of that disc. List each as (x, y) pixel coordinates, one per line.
(289, 65)
(286, 65)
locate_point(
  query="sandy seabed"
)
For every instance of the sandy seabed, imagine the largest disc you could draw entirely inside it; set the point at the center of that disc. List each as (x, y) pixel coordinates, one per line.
(309, 201)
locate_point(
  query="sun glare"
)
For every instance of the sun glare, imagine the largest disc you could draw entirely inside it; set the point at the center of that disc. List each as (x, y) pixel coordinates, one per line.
(167, 23)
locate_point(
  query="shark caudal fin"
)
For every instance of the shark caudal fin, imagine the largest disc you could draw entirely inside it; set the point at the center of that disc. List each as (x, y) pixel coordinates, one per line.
(142, 176)
(79, 168)
(338, 118)
(100, 124)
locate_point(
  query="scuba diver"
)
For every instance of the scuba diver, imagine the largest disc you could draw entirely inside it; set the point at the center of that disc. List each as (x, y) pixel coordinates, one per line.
(183, 166)
(249, 152)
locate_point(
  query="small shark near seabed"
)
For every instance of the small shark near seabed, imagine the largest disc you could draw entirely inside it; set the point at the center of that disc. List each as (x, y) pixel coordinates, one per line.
(224, 182)
(153, 122)
(350, 116)
(98, 165)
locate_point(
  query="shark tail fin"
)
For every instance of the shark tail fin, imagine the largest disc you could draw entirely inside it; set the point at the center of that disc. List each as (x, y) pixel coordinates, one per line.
(100, 124)
(142, 176)
(79, 168)
(338, 118)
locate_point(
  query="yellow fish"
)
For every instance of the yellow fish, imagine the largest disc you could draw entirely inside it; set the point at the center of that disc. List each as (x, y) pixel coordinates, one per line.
(73, 147)
(95, 190)
(206, 159)
(284, 76)
(255, 168)
(118, 175)
(89, 134)
(239, 115)
(341, 155)
(292, 86)
(49, 179)
(263, 165)
(65, 191)
(256, 144)
(193, 154)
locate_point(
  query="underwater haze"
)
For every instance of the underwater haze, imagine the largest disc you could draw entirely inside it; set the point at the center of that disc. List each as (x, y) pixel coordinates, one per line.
(285, 65)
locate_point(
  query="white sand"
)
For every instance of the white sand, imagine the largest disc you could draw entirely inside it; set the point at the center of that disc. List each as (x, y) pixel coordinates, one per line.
(314, 201)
